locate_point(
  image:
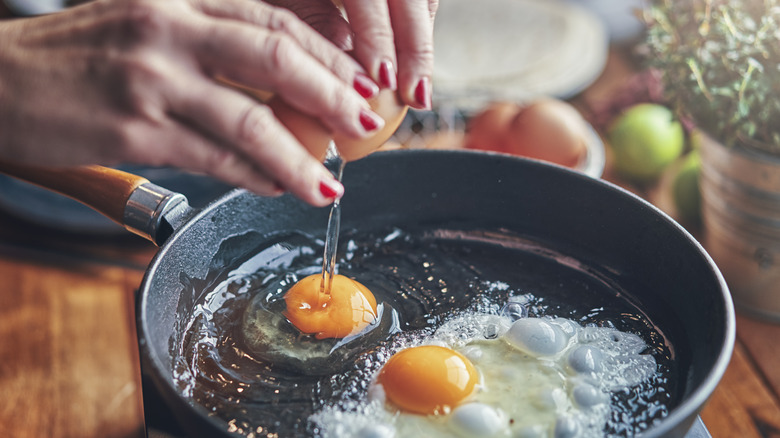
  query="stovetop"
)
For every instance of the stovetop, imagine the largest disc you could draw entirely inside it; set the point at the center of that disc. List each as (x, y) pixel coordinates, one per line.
(160, 422)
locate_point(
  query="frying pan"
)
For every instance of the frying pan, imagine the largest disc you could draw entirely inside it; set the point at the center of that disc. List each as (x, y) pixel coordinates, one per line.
(661, 267)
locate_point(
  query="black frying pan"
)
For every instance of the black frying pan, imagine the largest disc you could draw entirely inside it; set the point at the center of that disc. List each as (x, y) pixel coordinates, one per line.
(664, 270)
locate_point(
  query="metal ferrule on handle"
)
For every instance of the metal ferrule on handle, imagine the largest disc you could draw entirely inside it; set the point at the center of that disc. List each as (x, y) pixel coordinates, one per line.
(154, 212)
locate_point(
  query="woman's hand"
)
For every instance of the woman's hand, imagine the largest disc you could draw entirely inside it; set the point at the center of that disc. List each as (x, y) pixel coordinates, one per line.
(137, 81)
(393, 39)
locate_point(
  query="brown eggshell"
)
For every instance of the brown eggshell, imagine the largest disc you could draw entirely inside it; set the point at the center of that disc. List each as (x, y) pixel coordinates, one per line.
(315, 136)
(550, 130)
(387, 105)
(310, 132)
(488, 130)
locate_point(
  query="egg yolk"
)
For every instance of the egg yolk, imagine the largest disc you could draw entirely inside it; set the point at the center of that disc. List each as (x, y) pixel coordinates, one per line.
(428, 379)
(347, 309)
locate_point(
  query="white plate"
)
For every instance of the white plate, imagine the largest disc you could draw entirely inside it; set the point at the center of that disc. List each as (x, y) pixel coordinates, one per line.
(515, 50)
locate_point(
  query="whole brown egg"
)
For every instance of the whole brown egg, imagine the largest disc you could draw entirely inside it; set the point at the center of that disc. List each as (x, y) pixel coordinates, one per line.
(545, 129)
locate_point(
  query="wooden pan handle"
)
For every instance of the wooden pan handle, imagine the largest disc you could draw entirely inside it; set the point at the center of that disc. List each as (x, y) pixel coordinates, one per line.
(101, 188)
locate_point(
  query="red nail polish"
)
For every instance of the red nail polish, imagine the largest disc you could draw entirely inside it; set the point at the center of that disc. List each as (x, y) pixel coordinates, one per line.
(422, 93)
(331, 189)
(365, 86)
(387, 75)
(369, 120)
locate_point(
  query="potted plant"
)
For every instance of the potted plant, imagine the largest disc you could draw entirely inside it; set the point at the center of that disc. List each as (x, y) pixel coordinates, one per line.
(720, 65)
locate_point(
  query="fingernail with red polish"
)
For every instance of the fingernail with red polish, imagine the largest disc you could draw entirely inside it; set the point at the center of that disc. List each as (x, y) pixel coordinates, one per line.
(331, 189)
(422, 93)
(370, 120)
(387, 75)
(365, 86)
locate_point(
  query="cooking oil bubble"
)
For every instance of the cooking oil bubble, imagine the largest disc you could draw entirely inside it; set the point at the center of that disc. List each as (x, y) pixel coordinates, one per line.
(514, 311)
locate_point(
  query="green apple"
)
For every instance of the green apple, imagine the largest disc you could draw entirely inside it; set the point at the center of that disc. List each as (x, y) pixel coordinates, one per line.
(685, 189)
(645, 139)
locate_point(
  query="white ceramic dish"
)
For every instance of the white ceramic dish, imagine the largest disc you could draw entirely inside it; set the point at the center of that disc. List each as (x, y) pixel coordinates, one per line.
(515, 50)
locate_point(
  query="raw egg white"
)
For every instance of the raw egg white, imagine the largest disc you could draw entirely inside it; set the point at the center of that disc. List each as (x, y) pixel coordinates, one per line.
(535, 377)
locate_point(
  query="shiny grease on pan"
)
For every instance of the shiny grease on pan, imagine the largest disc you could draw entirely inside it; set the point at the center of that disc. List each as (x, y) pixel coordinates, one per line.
(420, 280)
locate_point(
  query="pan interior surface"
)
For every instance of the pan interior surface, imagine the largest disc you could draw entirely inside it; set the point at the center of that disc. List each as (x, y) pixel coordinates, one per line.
(574, 231)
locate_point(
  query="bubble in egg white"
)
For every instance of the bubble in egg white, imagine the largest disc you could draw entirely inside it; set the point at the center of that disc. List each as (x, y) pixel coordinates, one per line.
(568, 326)
(477, 419)
(586, 395)
(586, 359)
(376, 431)
(550, 399)
(537, 337)
(566, 426)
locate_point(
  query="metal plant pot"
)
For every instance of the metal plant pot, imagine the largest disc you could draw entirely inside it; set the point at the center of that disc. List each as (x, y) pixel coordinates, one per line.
(741, 217)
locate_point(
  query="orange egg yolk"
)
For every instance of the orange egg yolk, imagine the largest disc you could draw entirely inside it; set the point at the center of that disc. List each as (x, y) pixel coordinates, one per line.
(346, 310)
(428, 379)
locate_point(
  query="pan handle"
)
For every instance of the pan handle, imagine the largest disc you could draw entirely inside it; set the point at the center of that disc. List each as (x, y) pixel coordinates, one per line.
(142, 207)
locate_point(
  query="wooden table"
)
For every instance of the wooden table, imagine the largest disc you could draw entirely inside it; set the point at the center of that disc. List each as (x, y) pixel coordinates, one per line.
(69, 363)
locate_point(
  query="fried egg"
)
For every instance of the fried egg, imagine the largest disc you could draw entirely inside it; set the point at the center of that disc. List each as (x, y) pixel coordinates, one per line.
(492, 375)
